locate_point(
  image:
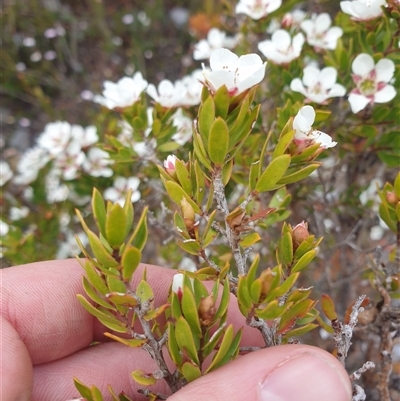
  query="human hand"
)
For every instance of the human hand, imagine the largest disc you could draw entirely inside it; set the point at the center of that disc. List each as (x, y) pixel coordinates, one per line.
(46, 337)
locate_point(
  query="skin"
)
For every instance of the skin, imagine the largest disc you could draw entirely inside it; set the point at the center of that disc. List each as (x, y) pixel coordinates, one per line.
(46, 333)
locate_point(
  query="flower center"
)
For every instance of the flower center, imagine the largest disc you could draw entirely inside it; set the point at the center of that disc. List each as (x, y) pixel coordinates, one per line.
(317, 89)
(367, 87)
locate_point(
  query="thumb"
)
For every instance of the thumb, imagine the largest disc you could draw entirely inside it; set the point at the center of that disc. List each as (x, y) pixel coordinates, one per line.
(284, 373)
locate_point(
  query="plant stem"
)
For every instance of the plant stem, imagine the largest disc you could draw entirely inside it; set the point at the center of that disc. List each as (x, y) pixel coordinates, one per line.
(233, 239)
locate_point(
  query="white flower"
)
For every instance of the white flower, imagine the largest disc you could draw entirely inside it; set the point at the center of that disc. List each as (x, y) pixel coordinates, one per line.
(282, 49)
(305, 135)
(177, 283)
(371, 81)
(96, 163)
(121, 186)
(17, 213)
(236, 73)
(216, 39)
(85, 136)
(4, 228)
(5, 172)
(70, 161)
(122, 94)
(183, 125)
(319, 32)
(191, 88)
(318, 86)
(56, 191)
(257, 9)
(293, 19)
(169, 95)
(363, 10)
(29, 165)
(169, 163)
(55, 137)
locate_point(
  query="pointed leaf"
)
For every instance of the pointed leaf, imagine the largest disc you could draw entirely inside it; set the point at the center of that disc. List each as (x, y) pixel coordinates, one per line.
(190, 371)
(130, 261)
(273, 173)
(177, 194)
(218, 141)
(304, 261)
(133, 342)
(99, 211)
(185, 340)
(143, 378)
(223, 348)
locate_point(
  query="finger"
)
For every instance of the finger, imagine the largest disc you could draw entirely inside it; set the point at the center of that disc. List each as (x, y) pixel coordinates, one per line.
(99, 365)
(284, 373)
(39, 300)
(16, 365)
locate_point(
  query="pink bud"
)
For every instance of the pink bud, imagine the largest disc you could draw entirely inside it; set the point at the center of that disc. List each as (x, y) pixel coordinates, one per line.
(300, 233)
(169, 165)
(177, 285)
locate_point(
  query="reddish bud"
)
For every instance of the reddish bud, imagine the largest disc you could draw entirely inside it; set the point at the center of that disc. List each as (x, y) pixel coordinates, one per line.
(266, 278)
(299, 234)
(391, 198)
(188, 214)
(169, 165)
(207, 310)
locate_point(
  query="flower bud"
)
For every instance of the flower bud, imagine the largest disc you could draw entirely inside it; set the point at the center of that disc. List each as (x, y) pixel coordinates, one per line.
(207, 310)
(169, 165)
(391, 198)
(266, 278)
(299, 234)
(188, 214)
(177, 285)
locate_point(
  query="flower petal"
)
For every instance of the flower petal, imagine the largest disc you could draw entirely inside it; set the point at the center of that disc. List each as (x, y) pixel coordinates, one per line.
(384, 70)
(363, 64)
(310, 76)
(222, 59)
(297, 86)
(281, 39)
(328, 77)
(322, 23)
(386, 94)
(358, 102)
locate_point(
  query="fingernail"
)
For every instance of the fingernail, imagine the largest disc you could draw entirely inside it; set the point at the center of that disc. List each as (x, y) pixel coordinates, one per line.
(306, 377)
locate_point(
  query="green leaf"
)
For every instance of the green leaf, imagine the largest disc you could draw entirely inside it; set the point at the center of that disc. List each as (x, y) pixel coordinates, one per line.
(255, 291)
(387, 218)
(130, 261)
(122, 299)
(286, 248)
(133, 343)
(297, 311)
(95, 279)
(284, 287)
(99, 251)
(223, 349)
(172, 346)
(283, 143)
(253, 175)
(218, 141)
(115, 284)
(243, 295)
(273, 173)
(153, 314)
(139, 237)
(200, 182)
(250, 240)
(328, 307)
(304, 261)
(185, 340)
(212, 342)
(103, 317)
(143, 378)
(84, 391)
(183, 176)
(189, 309)
(299, 174)
(299, 331)
(116, 225)
(99, 211)
(272, 311)
(206, 117)
(144, 291)
(94, 296)
(224, 302)
(190, 246)
(397, 185)
(221, 100)
(190, 371)
(177, 194)
(200, 150)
